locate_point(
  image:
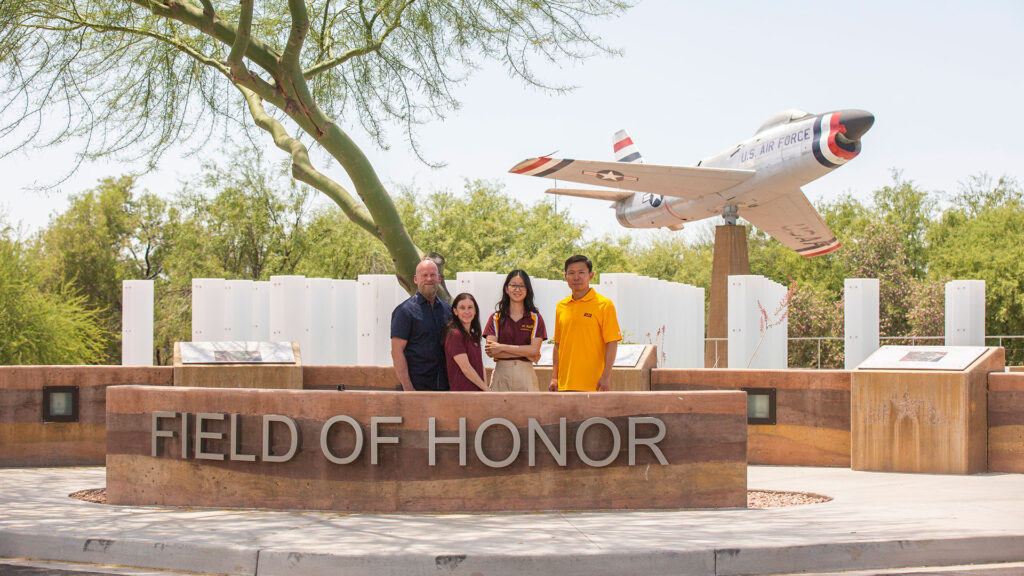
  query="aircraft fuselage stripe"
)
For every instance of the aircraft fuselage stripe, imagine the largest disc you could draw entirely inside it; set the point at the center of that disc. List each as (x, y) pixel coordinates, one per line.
(826, 151)
(816, 144)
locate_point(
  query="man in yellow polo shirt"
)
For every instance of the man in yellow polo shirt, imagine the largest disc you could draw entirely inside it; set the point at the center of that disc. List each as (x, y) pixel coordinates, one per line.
(586, 334)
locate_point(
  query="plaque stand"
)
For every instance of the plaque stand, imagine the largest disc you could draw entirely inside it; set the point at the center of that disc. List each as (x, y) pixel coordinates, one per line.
(927, 421)
(243, 375)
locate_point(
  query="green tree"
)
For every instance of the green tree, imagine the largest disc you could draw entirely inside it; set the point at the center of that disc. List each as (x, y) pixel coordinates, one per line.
(135, 77)
(240, 221)
(980, 237)
(42, 327)
(485, 229)
(108, 234)
(912, 211)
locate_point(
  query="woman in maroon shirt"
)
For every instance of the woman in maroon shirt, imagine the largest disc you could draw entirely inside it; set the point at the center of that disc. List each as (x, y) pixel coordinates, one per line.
(514, 335)
(462, 353)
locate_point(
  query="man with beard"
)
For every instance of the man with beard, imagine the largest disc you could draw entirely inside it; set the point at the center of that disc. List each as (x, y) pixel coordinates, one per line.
(417, 330)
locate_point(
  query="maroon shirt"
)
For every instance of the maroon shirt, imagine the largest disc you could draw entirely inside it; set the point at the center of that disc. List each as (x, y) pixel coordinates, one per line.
(454, 345)
(516, 333)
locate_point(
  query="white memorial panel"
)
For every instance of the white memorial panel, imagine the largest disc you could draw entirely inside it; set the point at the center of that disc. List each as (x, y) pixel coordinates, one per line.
(344, 322)
(965, 313)
(757, 333)
(860, 320)
(260, 315)
(238, 310)
(208, 309)
(288, 310)
(137, 323)
(319, 322)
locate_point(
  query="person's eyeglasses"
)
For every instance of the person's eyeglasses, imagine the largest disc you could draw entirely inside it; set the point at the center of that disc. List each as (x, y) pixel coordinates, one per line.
(517, 287)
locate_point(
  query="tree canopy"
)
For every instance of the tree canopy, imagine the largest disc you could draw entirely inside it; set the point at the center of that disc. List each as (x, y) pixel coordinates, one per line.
(133, 78)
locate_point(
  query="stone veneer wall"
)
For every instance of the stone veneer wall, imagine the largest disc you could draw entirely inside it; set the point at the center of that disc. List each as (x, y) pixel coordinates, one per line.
(812, 411)
(703, 448)
(25, 440)
(1006, 422)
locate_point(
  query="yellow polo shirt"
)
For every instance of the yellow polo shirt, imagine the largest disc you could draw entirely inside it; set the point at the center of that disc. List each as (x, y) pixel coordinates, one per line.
(583, 329)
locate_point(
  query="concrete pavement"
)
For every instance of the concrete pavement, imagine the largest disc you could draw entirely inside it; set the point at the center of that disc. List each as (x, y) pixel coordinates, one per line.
(874, 521)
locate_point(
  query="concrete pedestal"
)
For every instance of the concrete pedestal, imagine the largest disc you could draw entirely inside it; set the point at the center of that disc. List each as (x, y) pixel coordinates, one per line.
(268, 375)
(730, 258)
(932, 422)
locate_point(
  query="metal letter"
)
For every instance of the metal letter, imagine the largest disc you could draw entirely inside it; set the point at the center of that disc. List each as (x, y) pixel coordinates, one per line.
(157, 432)
(651, 443)
(479, 443)
(433, 441)
(203, 435)
(356, 451)
(376, 439)
(616, 442)
(184, 435)
(536, 431)
(235, 434)
(294, 432)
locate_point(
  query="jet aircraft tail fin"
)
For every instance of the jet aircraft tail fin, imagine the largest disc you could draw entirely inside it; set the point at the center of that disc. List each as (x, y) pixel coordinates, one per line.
(625, 150)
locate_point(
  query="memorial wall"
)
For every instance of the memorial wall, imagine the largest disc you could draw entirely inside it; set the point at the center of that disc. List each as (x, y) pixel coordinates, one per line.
(77, 436)
(810, 410)
(440, 452)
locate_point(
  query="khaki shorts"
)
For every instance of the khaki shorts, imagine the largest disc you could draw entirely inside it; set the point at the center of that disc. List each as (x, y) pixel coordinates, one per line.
(514, 376)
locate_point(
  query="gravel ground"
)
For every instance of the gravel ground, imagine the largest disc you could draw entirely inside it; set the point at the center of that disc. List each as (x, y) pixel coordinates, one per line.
(755, 498)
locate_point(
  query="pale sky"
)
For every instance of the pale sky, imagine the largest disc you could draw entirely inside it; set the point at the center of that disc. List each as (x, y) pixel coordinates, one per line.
(943, 79)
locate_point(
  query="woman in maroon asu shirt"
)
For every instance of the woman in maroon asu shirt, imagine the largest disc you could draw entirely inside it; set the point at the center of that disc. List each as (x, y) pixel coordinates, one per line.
(462, 354)
(514, 335)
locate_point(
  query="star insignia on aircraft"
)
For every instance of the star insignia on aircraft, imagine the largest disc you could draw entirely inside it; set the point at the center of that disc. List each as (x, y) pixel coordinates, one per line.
(610, 176)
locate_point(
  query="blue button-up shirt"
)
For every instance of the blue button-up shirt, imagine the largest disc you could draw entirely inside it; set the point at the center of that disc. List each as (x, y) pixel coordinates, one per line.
(421, 324)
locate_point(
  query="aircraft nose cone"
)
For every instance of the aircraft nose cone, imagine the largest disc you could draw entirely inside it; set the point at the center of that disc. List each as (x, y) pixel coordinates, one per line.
(857, 122)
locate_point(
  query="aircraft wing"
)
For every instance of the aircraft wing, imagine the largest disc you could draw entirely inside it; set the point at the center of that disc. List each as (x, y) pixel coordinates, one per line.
(791, 219)
(610, 195)
(679, 181)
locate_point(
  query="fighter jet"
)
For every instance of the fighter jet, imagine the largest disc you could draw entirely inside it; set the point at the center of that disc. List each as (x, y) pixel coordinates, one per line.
(758, 179)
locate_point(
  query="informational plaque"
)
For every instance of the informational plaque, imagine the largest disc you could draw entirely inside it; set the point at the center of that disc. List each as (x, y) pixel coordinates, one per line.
(237, 353)
(948, 358)
(626, 356)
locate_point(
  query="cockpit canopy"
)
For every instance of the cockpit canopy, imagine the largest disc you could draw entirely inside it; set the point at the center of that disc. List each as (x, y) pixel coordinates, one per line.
(784, 117)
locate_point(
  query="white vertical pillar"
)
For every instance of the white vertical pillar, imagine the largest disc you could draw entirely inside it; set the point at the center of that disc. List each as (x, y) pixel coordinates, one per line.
(965, 313)
(776, 340)
(684, 327)
(344, 321)
(747, 296)
(288, 310)
(207, 309)
(259, 331)
(860, 320)
(137, 323)
(366, 312)
(237, 310)
(625, 291)
(319, 321)
(546, 294)
(486, 288)
(377, 295)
